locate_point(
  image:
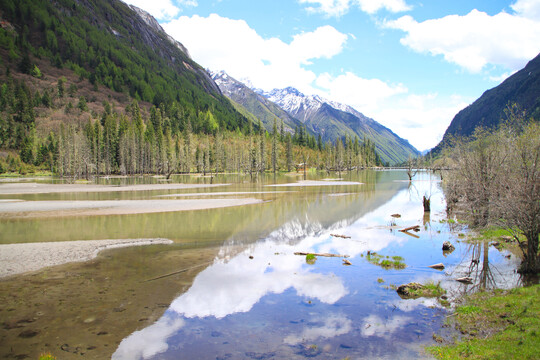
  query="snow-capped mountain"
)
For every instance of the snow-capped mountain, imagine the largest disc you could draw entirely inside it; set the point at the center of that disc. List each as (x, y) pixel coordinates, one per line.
(330, 119)
(259, 107)
(296, 103)
(335, 120)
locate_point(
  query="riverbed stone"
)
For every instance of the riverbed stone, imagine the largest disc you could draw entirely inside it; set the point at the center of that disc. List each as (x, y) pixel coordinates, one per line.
(447, 246)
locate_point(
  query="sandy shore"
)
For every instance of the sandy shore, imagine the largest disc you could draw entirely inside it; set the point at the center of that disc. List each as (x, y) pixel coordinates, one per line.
(21, 258)
(11, 209)
(40, 188)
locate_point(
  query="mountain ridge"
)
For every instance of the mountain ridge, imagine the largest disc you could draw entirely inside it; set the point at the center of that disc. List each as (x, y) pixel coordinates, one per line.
(488, 111)
(262, 108)
(335, 120)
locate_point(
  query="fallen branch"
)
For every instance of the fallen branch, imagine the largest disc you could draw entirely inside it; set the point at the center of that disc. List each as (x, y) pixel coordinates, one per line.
(415, 228)
(321, 254)
(341, 236)
(408, 233)
(178, 272)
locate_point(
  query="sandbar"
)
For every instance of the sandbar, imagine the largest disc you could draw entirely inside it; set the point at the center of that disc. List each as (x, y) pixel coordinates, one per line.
(21, 258)
(113, 207)
(318, 183)
(225, 193)
(40, 188)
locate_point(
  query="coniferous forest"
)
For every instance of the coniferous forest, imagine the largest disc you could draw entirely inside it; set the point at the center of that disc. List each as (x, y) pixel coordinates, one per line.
(85, 95)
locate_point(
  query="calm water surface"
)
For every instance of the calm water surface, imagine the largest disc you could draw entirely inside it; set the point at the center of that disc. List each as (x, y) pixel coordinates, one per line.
(257, 300)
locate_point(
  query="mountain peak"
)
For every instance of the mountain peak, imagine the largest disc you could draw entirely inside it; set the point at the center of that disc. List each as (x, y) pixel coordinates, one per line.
(152, 23)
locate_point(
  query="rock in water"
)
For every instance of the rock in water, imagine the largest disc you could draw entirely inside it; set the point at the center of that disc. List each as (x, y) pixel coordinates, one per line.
(447, 246)
(438, 266)
(409, 289)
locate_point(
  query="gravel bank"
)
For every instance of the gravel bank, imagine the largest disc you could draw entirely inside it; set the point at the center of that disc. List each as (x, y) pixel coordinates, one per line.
(20, 258)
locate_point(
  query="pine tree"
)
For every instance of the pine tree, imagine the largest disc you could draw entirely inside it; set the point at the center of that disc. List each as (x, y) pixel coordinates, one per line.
(274, 147)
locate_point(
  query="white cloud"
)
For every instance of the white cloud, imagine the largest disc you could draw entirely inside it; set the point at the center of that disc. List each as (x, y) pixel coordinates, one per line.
(528, 9)
(420, 118)
(340, 7)
(161, 9)
(221, 43)
(474, 40)
(364, 94)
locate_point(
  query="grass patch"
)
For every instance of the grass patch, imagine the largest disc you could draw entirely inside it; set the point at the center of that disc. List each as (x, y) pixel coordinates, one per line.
(47, 356)
(496, 325)
(415, 290)
(311, 259)
(467, 309)
(380, 280)
(386, 263)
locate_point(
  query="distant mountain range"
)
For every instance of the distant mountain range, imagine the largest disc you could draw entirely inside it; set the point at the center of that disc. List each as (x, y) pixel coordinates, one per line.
(330, 119)
(522, 88)
(253, 105)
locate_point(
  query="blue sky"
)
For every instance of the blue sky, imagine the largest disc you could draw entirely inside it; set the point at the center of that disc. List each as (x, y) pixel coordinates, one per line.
(409, 64)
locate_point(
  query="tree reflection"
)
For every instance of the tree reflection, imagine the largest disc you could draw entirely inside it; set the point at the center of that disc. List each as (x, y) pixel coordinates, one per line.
(485, 275)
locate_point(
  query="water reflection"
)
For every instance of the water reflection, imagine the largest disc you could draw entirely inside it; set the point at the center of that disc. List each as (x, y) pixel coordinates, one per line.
(264, 290)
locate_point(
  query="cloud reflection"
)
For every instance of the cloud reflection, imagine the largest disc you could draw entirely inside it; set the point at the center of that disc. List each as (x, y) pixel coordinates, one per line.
(334, 325)
(374, 325)
(225, 288)
(150, 341)
(235, 286)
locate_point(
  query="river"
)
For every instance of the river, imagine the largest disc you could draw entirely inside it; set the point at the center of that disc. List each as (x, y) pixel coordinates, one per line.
(230, 285)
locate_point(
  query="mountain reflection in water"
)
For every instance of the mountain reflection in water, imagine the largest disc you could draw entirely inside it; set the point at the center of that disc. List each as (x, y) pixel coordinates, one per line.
(259, 300)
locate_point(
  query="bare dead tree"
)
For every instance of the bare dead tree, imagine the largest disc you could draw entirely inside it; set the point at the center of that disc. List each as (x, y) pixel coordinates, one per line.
(497, 176)
(411, 165)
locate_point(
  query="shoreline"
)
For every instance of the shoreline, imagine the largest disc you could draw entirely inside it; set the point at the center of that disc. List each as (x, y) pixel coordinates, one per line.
(17, 259)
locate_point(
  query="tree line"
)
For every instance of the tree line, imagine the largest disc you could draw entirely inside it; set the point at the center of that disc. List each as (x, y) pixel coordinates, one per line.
(158, 140)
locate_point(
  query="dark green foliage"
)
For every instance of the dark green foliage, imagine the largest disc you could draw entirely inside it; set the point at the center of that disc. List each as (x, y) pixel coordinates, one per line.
(108, 43)
(82, 104)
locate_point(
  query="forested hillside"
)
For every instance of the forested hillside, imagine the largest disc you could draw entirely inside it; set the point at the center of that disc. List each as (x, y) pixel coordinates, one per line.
(521, 89)
(96, 87)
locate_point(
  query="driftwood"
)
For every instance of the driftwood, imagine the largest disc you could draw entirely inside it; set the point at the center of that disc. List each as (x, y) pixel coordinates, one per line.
(340, 236)
(321, 254)
(346, 262)
(465, 280)
(438, 266)
(415, 228)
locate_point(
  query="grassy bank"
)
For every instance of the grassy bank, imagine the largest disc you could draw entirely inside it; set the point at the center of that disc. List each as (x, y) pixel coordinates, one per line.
(496, 325)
